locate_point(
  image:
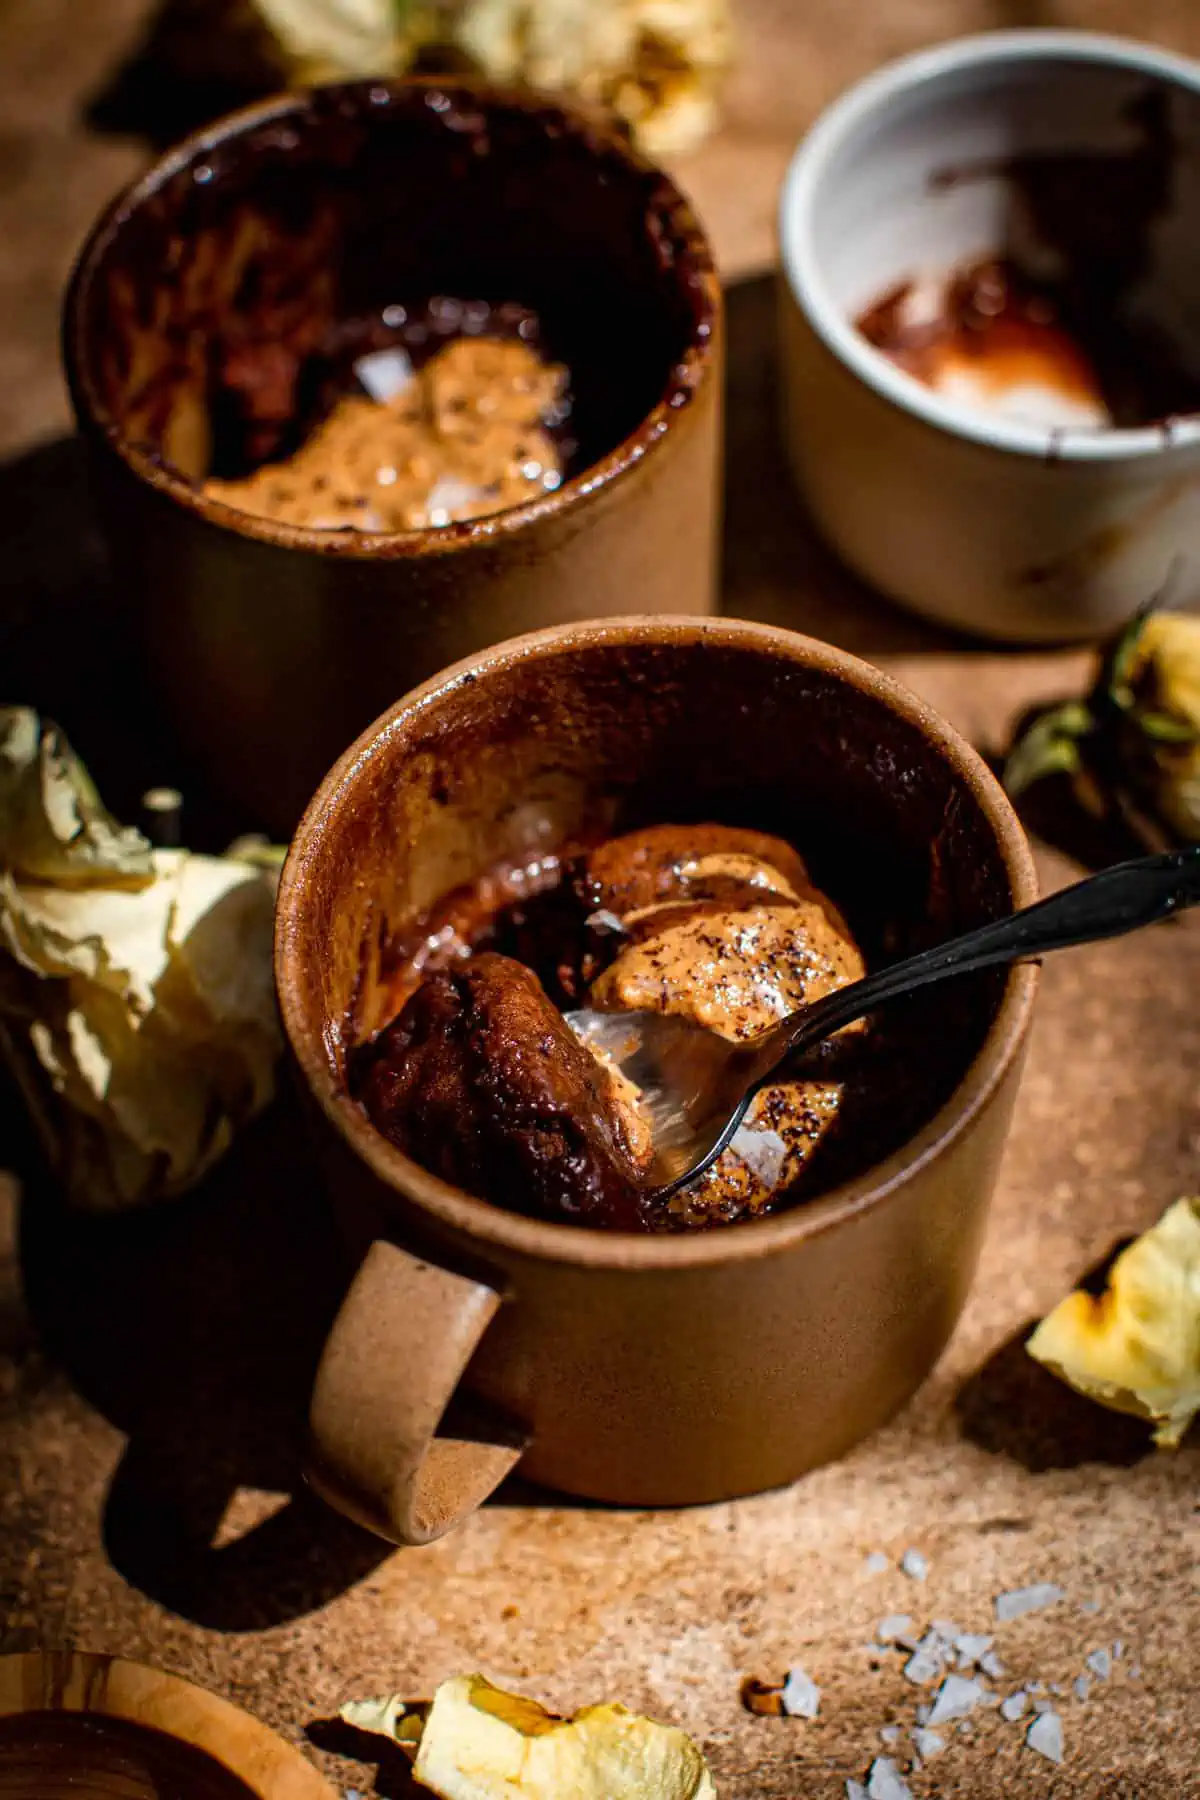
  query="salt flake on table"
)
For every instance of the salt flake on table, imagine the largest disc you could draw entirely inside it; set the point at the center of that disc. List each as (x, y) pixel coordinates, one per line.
(384, 373)
(1083, 1687)
(876, 1563)
(893, 1627)
(1045, 1736)
(889, 1734)
(1015, 1706)
(922, 1668)
(1027, 1599)
(971, 1645)
(1100, 1663)
(855, 1790)
(914, 1565)
(991, 1665)
(884, 1781)
(928, 1744)
(955, 1699)
(801, 1697)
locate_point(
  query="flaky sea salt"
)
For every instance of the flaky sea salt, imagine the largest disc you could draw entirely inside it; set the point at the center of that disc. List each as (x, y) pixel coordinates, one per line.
(1083, 1687)
(927, 1744)
(885, 1783)
(922, 1668)
(801, 1697)
(603, 920)
(971, 1645)
(914, 1565)
(384, 373)
(991, 1665)
(1100, 1663)
(955, 1699)
(889, 1734)
(855, 1790)
(450, 495)
(893, 1627)
(1045, 1735)
(763, 1151)
(1015, 1706)
(876, 1563)
(1027, 1599)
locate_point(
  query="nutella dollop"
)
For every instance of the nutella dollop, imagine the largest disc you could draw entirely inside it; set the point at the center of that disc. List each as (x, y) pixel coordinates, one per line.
(480, 1078)
(462, 436)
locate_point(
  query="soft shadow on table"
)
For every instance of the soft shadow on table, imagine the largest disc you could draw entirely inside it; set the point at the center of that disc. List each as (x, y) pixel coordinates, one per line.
(195, 60)
(195, 1329)
(393, 1770)
(1014, 1407)
(66, 646)
(775, 567)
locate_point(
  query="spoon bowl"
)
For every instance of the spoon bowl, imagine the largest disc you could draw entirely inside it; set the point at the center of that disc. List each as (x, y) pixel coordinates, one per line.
(695, 1087)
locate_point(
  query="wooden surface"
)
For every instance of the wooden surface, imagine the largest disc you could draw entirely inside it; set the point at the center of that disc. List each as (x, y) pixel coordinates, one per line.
(153, 1371)
(87, 1727)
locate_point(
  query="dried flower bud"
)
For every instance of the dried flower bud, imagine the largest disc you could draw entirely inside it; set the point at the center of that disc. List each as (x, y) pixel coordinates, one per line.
(1136, 1348)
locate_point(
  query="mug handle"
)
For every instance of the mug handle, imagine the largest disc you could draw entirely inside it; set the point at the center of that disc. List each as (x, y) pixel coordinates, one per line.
(391, 1364)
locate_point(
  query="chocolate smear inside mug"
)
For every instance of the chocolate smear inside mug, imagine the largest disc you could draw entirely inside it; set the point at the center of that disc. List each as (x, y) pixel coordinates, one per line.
(1070, 310)
(391, 316)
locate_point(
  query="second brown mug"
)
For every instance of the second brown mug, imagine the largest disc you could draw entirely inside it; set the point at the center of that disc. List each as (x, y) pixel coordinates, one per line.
(648, 1370)
(272, 645)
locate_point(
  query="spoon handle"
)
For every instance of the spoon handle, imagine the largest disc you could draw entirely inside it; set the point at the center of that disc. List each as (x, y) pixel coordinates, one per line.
(1119, 900)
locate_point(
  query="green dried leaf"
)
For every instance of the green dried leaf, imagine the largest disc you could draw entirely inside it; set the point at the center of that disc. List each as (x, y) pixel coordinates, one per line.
(1049, 747)
(1166, 729)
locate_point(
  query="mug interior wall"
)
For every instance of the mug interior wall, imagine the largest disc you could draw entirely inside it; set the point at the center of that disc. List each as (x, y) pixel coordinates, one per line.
(595, 738)
(365, 197)
(921, 183)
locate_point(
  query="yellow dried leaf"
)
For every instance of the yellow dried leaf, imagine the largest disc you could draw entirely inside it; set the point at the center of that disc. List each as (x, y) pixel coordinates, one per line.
(1136, 1347)
(480, 1743)
(136, 1000)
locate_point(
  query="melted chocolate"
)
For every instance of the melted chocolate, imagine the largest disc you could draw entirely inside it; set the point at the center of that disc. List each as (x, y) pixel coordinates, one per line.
(1091, 214)
(479, 1079)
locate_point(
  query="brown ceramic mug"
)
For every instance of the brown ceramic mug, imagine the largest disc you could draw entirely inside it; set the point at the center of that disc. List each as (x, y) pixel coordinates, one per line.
(645, 1370)
(273, 645)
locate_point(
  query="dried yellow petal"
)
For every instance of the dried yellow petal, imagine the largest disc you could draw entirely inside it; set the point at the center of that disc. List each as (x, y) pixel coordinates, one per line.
(137, 1009)
(480, 1743)
(1136, 1347)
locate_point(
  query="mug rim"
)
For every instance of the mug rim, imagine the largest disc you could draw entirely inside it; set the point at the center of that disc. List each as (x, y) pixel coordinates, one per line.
(494, 1227)
(802, 266)
(693, 369)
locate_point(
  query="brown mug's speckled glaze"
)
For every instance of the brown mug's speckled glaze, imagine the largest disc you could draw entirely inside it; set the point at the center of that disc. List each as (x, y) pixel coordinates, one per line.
(272, 645)
(644, 1370)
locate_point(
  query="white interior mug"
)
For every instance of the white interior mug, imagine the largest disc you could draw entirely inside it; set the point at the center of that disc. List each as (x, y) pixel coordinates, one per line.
(991, 523)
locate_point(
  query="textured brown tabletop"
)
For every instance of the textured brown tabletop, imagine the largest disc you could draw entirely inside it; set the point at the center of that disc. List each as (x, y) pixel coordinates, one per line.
(152, 1372)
